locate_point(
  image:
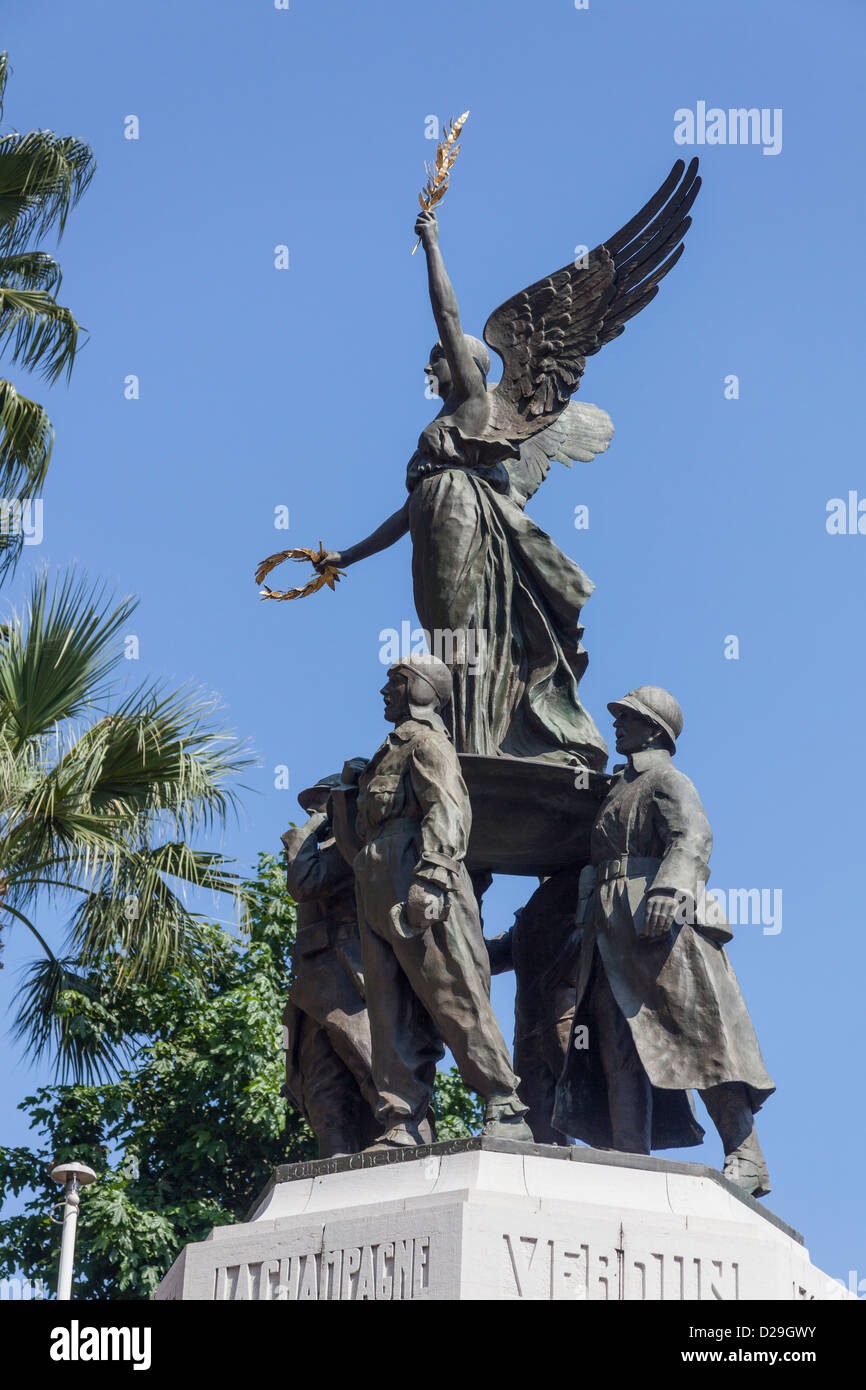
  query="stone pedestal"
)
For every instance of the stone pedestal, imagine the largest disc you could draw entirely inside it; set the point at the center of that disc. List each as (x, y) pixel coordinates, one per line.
(497, 1220)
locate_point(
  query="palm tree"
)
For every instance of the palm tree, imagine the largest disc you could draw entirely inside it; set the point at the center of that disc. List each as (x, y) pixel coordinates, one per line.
(100, 796)
(42, 177)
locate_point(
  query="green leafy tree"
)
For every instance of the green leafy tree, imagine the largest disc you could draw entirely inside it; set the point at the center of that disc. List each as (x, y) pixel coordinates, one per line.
(42, 177)
(459, 1112)
(100, 798)
(185, 1136)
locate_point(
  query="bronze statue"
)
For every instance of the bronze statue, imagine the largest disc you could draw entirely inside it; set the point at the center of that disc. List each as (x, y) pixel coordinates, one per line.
(544, 1002)
(480, 565)
(658, 1007)
(425, 964)
(328, 1052)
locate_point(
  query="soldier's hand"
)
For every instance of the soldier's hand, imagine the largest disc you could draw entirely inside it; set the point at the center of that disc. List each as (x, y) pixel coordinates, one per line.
(352, 770)
(660, 913)
(319, 825)
(426, 906)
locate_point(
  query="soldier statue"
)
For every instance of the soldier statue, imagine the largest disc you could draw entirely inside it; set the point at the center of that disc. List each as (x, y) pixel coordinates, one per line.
(425, 963)
(328, 1061)
(544, 1002)
(658, 1007)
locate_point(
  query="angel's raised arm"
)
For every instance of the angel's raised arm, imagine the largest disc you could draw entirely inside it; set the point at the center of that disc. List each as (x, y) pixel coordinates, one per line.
(464, 370)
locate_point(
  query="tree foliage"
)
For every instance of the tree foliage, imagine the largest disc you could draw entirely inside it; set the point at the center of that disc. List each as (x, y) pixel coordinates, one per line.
(189, 1132)
(42, 177)
(100, 797)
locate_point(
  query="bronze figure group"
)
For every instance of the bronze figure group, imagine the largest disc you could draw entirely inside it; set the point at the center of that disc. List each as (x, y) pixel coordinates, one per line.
(625, 998)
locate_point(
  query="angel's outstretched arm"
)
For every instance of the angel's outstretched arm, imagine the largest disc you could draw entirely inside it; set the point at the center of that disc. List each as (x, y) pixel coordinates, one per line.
(464, 371)
(390, 531)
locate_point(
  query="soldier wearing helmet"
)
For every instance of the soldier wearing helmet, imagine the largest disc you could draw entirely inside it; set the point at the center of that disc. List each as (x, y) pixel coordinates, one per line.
(656, 996)
(328, 1075)
(425, 963)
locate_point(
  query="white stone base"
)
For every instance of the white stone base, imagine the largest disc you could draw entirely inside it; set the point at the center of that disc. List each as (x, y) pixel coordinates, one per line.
(492, 1219)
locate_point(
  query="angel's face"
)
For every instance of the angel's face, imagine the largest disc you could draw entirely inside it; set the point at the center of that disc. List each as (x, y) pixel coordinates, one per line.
(438, 373)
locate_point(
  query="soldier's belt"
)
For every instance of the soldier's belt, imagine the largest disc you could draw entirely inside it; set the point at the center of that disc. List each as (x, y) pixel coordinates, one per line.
(325, 933)
(628, 866)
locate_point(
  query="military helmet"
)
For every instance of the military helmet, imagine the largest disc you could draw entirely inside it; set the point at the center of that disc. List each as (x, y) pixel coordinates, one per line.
(308, 797)
(656, 705)
(425, 673)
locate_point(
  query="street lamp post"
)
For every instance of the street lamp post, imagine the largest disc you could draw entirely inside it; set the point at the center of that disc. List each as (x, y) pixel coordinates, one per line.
(73, 1176)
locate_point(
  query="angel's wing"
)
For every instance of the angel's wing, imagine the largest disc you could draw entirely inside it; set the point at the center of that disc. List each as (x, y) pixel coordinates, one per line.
(545, 333)
(580, 432)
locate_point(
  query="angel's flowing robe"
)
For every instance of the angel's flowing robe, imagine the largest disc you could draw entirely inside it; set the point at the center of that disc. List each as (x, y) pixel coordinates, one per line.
(490, 581)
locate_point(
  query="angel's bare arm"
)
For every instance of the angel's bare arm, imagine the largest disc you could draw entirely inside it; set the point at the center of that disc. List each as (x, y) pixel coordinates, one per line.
(464, 371)
(390, 531)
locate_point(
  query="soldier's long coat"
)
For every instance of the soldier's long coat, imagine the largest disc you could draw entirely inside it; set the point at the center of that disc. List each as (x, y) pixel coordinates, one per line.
(679, 995)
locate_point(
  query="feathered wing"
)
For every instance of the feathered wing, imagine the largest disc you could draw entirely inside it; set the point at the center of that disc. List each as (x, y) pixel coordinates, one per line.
(545, 333)
(580, 432)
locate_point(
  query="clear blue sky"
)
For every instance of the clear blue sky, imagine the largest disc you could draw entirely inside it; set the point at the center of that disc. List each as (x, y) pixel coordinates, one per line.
(304, 388)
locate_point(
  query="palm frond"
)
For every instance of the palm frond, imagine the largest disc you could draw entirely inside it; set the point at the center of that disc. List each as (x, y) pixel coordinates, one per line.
(59, 1011)
(43, 334)
(45, 839)
(57, 655)
(5, 70)
(158, 753)
(42, 177)
(26, 920)
(134, 776)
(140, 921)
(30, 270)
(103, 809)
(26, 441)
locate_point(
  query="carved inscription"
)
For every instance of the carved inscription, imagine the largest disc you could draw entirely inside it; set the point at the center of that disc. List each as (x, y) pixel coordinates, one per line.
(562, 1269)
(394, 1269)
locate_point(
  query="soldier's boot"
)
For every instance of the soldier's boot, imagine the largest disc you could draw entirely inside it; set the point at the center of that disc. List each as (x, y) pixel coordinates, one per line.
(406, 1136)
(746, 1167)
(335, 1142)
(731, 1113)
(403, 1136)
(503, 1119)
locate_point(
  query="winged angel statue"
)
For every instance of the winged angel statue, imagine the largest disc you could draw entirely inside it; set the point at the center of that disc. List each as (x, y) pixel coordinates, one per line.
(479, 564)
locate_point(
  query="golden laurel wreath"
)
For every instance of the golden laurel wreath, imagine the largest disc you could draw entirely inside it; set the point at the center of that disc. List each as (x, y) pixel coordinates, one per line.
(432, 193)
(329, 576)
